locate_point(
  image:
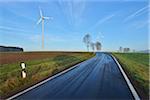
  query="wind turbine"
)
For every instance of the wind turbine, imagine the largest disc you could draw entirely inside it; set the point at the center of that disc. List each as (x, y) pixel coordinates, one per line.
(42, 18)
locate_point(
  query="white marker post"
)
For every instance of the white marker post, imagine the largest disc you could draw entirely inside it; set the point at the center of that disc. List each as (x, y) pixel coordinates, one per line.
(23, 66)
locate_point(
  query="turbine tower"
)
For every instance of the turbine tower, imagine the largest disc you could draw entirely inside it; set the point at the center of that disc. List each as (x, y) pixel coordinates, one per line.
(42, 18)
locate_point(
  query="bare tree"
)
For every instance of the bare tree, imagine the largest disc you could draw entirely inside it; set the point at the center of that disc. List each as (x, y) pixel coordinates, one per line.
(87, 40)
(92, 46)
(98, 45)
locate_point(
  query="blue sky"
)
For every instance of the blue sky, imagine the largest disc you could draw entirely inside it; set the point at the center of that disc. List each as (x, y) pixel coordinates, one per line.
(114, 23)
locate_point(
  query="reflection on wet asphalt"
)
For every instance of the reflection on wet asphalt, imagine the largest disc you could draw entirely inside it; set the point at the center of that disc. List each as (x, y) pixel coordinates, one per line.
(96, 78)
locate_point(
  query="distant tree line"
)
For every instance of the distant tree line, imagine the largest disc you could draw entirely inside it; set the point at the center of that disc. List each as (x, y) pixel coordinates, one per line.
(10, 49)
(88, 42)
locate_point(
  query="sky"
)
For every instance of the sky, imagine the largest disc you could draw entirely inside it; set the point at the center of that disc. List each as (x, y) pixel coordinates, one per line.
(114, 23)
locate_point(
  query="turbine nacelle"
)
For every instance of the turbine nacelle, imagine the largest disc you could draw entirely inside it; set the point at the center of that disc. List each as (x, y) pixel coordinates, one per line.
(43, 17)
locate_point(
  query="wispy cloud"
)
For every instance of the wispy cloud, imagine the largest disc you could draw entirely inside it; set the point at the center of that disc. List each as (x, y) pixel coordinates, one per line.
(34, 37)
(7, 28)
(72, 10)
(24, 16)
(103, 20)
(137, 13)
(140, 24)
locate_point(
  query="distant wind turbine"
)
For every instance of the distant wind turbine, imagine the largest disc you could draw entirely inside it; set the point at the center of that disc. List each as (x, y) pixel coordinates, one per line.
(42, 18)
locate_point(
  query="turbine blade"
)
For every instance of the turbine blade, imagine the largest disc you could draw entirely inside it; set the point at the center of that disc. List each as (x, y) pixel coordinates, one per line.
(39, 21)
(48, 18)
(40, 12)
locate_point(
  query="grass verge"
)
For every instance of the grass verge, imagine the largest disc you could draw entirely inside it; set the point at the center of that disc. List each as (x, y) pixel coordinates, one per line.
(136, 66)
(37, 70)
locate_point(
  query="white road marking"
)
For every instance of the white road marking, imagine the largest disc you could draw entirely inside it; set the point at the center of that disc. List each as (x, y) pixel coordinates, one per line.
(133, 91)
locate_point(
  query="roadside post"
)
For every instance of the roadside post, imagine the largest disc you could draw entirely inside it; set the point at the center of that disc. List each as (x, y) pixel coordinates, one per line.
(23, 73)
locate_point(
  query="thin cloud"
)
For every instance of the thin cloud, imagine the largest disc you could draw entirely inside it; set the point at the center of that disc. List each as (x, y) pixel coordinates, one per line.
(32, 36)
(137, 13)
(22, 15)
(139, 24)
(6, 28)
(73, 10)
(103, 20)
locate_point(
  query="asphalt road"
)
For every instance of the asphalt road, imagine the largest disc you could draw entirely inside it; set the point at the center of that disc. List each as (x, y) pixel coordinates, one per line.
(96, 78)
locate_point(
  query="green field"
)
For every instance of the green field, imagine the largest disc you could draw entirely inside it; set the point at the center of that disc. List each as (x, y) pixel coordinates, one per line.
(37, 69)
(136, 65)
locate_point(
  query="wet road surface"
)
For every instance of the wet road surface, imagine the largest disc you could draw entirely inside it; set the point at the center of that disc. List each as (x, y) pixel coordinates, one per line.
(96, 78)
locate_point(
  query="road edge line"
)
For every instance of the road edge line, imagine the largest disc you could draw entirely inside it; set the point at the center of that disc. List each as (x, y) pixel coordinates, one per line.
(132, 89)
(46, 80)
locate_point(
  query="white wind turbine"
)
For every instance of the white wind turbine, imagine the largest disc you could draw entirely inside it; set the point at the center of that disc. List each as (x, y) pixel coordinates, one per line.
(42, 18)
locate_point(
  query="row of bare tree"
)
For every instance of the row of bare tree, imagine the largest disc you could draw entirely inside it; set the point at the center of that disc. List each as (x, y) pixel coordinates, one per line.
(88, 42)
